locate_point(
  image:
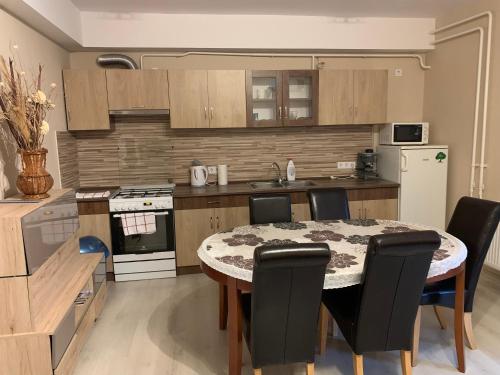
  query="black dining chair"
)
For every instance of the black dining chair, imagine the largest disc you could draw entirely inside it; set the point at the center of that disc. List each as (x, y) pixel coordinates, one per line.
(265, 209)
(328, 204)
(474, 222)
(281, 314)
(379, 313)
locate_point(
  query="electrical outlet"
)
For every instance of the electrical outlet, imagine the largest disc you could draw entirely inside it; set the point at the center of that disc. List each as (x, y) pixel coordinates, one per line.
(212, 169)
(398, 72)
(346, 165)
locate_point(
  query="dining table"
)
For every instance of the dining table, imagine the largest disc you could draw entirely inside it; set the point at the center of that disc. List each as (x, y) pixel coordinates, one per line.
(227, 257)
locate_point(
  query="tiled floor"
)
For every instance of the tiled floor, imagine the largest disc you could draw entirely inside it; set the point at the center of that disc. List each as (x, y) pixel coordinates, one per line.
(170, 326)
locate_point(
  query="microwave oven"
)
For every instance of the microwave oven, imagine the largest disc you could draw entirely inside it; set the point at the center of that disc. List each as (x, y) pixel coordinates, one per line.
(404, 133)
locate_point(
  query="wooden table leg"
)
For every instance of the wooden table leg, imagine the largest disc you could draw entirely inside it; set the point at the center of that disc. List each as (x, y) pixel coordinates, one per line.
(324, 315)
(222, 307)
(459, 319)
(235, 327)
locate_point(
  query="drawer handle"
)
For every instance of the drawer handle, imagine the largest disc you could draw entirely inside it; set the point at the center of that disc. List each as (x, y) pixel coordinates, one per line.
(213, 202)
(211, 223)
(218, 223)
(138, 106)
(48, 212)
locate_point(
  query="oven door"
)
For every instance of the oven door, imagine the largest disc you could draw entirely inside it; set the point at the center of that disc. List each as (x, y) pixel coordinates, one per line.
(163, 239)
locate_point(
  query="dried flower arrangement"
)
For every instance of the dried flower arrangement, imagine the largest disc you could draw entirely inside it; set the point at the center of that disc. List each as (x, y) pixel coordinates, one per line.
(24, 107)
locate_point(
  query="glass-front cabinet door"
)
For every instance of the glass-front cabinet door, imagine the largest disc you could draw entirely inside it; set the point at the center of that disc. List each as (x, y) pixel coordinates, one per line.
(300, 97)
(264, 98)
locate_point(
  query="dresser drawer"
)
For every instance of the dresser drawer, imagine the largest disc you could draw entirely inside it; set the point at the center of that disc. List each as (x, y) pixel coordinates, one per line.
(47, 228)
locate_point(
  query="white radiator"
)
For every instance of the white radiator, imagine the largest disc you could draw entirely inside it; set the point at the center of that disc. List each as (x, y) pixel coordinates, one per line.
(493, 257)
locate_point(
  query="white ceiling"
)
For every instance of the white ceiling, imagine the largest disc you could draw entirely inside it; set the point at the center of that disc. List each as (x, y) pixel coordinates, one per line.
(337, 8)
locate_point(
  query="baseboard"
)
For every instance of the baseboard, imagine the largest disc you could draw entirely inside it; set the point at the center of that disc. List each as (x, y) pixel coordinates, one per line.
(188, 270)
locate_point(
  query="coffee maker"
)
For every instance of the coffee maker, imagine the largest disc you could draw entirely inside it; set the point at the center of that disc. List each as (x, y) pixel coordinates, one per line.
(366, 165)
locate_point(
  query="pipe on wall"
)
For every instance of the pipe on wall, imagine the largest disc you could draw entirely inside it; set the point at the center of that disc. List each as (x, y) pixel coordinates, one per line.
(480, 30)
(313, 57)
(482, 164)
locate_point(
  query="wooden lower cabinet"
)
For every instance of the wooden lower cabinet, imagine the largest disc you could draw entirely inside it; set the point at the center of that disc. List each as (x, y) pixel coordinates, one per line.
(301, 212)
(230, 217)
(98, 226)
(386, 209)
(196, 220)
(356, 209)
(193, 226)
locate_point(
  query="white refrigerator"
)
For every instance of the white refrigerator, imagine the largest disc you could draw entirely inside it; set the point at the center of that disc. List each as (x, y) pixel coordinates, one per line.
(422, 173)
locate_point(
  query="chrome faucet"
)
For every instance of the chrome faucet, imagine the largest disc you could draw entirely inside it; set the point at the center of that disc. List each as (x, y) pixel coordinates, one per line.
(280, 178)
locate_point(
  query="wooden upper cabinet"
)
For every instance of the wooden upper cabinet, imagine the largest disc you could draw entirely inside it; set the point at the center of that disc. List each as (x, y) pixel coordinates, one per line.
(370, 96)
(282, 98)
(86, 99)
(300, 97)
(336, 97)
(137, 89)
(226, 98)
(264, 98)
(188, 99)
(207, 98)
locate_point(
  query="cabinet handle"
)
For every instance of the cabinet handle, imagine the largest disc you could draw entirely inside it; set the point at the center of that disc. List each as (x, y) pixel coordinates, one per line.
(211, 223)
(366, 213)
(359, 213)
(279, 112)
(213, 202)
(139, 106)
(218, 223)
(206, 115)
(211, 113)
(286, 112)
(355, 110)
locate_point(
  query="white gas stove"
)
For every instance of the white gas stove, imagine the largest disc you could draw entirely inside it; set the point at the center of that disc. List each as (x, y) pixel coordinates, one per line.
(142, 198)
(145, 255)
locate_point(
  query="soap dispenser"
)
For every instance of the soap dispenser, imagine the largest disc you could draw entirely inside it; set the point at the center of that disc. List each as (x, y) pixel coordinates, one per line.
(290, 170)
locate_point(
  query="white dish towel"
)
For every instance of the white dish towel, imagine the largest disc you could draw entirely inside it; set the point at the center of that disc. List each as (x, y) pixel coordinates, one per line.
(138, 223)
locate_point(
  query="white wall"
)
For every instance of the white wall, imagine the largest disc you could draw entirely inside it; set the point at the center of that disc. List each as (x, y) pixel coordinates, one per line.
(450, 97)
(142, 30)
(33, 49)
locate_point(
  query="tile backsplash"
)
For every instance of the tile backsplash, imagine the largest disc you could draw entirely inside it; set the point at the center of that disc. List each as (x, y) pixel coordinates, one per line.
(147, 152)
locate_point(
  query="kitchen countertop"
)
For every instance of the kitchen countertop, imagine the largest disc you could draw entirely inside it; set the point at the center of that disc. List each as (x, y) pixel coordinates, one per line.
(187, 191)
(111, 189)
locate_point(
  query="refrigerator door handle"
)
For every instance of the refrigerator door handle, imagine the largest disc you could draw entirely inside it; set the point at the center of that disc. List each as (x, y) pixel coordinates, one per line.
(404, 165)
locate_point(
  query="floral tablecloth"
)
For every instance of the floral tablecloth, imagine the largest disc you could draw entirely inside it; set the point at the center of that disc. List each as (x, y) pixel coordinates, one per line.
(231, 251)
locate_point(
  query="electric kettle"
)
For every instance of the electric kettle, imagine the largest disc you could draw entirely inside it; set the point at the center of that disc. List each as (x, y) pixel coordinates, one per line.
(199, 175)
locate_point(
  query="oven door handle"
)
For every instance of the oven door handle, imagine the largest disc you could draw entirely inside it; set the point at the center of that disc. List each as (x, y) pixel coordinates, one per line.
(163, 213)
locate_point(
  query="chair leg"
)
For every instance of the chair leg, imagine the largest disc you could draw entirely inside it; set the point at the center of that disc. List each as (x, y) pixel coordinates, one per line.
(469, 333)
(310, 369)
(357, 363)
(440, 317)
(257, 371)
(335, 328)
(406, 362)
(324, 316)
(416, 337)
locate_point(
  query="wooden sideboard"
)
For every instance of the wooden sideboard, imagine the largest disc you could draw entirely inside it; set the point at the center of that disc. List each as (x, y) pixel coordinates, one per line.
(38, 302)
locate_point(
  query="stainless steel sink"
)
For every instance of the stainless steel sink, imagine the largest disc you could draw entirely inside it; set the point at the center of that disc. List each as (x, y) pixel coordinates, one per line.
(265, 185)
(277, 185)
(302, 183)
